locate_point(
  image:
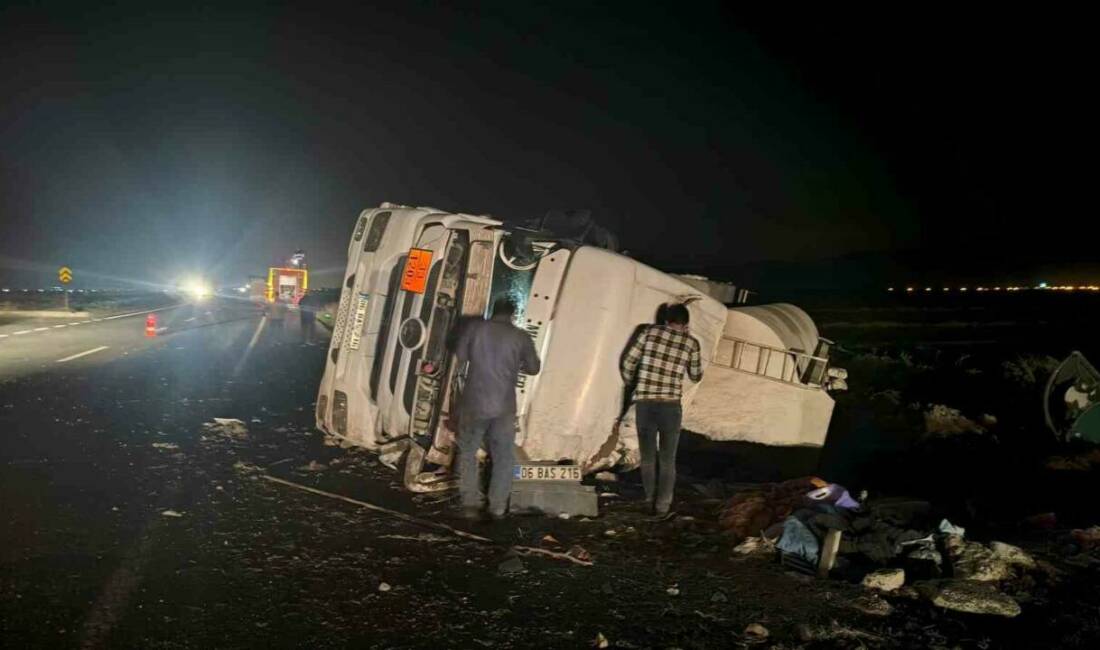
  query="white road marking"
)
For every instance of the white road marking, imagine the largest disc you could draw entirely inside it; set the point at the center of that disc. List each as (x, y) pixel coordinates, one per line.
(57, 326)
(3, 336)
(190, 319)
(83, 354)
(41, 329)
(21, 332)
(74, 323)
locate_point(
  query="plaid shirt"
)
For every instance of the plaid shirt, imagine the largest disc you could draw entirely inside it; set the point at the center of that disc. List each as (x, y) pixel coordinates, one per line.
(657, 359)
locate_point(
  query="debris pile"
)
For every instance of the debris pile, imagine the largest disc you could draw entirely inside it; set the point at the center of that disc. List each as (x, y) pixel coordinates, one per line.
(227, 427)
(943, 421)
(888, 545)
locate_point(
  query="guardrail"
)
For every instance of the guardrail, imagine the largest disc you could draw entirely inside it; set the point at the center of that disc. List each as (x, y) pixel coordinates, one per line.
(790, 366)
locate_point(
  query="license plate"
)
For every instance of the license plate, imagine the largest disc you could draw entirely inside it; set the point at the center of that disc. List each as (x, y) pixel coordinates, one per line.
(357, 323)
(547, 473)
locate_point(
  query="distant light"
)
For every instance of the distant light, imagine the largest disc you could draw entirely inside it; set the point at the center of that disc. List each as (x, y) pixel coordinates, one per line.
(1042, 285)
(947, 288)
(962, 288)
(996, 288)
(980, 289)
(890, 289)
(928, 288)
(909, 289)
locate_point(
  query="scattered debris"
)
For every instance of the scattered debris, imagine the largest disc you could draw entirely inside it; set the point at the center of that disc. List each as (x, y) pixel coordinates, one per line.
(575, 558)
(384, 587)
(969, 596)
(171, 513)
(948, 528)
(313, 466)
(430, 538)
(601, 641)
(811, 633)
(247, 468)
(798, 540)
(168, 446)
(674, 590)
(885, 579)
(1012, 555)
(550, 540)
(943, 421)
(756, 632)
(973, 561)
(1080, 463)
(719, 596)
(872, 605)
(511, 566)
(755, 546)
(579, 553)
(229, 427)
(752, 510)
(1088, 538)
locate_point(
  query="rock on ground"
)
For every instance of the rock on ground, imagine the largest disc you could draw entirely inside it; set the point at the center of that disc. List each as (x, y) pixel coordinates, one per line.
(969, 596)
(885, 579)
(1013, 555)
(941, 420)
(872, 605)
(972, 561)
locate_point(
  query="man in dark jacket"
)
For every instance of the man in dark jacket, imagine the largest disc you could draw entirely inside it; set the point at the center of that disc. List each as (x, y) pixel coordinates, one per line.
(496, 351)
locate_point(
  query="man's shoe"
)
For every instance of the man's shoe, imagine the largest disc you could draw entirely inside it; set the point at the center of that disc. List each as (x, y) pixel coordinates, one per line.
(496, 516)
(663, 514)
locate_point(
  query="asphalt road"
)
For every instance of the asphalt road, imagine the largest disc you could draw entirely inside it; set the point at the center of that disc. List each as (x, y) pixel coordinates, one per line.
(30, 345)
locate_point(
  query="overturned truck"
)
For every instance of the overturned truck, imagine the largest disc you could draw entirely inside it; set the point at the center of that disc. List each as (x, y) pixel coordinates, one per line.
(413, 276)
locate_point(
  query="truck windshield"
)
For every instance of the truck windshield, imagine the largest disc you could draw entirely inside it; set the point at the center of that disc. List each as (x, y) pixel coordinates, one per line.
(511, 281)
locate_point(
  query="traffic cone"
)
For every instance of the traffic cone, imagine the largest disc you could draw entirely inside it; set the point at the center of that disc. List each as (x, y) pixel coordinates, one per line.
(151, 325)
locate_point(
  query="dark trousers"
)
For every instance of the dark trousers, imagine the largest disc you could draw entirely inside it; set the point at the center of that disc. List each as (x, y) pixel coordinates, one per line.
(658, 437)
(500, 434)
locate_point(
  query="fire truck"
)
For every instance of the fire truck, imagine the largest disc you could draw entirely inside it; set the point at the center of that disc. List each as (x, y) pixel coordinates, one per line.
(287, 284)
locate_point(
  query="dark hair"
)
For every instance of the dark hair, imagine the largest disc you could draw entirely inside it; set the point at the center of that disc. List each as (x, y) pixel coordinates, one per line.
(504, 307)
(677, 315)
(662, 314)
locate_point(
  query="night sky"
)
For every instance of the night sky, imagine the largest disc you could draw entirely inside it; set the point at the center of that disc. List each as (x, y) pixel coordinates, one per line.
(141, 144)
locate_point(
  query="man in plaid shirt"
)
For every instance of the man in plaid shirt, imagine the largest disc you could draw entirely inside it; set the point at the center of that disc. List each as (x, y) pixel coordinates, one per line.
(655, 363)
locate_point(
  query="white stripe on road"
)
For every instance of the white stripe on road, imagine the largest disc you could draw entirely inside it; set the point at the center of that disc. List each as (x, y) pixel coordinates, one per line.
(3, 336)
(74, 323)
(57, 326)
(83, 354)
(21, 332)
(41, 329)
(189, 319)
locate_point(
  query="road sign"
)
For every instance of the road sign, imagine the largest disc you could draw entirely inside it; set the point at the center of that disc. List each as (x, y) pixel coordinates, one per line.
(65, 274)
(415, 277)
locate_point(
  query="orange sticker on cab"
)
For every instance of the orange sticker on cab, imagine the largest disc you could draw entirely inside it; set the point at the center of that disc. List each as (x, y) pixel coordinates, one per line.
(415, 277)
